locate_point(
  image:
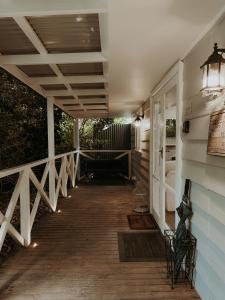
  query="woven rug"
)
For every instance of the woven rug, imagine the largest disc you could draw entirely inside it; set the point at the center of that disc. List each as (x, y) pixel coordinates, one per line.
(141, 246)
(139, 222)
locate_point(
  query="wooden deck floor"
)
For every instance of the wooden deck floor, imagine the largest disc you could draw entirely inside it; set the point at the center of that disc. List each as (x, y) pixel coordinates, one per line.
(77, 256)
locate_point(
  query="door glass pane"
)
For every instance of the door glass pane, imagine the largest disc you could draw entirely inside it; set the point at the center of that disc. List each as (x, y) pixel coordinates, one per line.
(156, 194)
(158, 128)
(170, 156)
(158, 159)
(170, 208)
(156, 141)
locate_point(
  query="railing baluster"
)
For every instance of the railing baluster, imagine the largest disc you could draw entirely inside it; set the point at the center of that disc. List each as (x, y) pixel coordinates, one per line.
(38, 196)
(6, 219)
(52, 193)
(76, 167)
(63, 166)
(67, 173)
(25, 208)
(72, 168)
(40, 189)
(59, 183)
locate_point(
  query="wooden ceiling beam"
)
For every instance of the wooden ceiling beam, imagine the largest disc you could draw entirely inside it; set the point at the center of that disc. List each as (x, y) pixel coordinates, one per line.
(76, 92)
(59, 58)
(70, 79)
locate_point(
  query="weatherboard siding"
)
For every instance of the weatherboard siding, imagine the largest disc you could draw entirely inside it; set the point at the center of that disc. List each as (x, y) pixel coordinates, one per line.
(206, 172)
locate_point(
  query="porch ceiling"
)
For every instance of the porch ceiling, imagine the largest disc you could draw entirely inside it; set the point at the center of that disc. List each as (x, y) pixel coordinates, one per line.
(98, 57)
(58, 53)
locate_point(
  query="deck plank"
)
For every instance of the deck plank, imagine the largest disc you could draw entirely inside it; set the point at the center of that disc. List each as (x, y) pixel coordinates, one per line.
(77, 256)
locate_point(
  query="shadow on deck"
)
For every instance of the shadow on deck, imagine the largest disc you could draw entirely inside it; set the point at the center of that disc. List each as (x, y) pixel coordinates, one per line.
(77, 255)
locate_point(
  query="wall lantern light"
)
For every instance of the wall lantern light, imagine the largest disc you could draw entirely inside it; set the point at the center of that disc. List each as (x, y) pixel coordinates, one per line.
(213, 82)
(138, 119)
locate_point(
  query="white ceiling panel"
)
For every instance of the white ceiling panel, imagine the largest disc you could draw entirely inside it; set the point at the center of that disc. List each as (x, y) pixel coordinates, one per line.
(146, 37)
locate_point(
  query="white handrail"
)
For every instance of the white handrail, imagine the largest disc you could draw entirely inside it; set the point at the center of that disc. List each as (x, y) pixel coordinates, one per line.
(107, 151)
(14, 170)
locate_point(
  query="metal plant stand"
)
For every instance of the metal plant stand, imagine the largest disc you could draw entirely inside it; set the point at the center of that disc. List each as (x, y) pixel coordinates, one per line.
(181, 244)
(183, 273)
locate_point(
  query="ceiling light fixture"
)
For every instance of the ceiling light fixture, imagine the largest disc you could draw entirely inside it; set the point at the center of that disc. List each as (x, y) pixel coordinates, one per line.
(213, 81)
(138, 119)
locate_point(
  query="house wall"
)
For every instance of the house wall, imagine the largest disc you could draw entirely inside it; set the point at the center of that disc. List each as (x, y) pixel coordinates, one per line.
(206, 172)
(140, 157)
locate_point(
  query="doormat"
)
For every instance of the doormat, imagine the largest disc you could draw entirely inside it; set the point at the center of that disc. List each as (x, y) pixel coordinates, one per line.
(138, 222)
(141, 246)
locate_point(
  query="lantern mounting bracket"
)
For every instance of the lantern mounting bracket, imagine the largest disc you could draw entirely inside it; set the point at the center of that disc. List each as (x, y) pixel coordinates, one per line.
(216, 49)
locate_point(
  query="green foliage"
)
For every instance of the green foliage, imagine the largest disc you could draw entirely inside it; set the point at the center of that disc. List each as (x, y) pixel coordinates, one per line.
(23, 123)
(63, 132)
(171, 128)
(122, 120)
(90, 127)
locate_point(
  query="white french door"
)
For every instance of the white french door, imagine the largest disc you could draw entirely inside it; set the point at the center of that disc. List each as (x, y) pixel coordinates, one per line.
(158, 153)
(166, 148)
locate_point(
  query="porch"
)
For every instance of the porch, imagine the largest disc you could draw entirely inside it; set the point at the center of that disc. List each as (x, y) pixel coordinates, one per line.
(103, 59)
(76, 254)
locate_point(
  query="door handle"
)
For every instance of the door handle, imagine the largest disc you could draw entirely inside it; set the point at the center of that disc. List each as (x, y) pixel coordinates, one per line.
(161, 151)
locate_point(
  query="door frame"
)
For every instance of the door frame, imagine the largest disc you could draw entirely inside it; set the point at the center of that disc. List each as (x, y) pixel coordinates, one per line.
(176, 74)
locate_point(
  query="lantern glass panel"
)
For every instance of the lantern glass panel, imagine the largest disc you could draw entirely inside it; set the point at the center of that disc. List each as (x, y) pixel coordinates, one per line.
(222, 75)
(214, 75)
(137, 123)
(205, 77)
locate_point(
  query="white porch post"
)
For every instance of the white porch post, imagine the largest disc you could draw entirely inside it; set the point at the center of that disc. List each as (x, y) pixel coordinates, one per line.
(51, 151)
(76, 143)
(73, 165)
(25, 208)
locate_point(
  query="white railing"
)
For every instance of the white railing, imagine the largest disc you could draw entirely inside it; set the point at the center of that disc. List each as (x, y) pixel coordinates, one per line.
(122, 153)
(57, 183)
